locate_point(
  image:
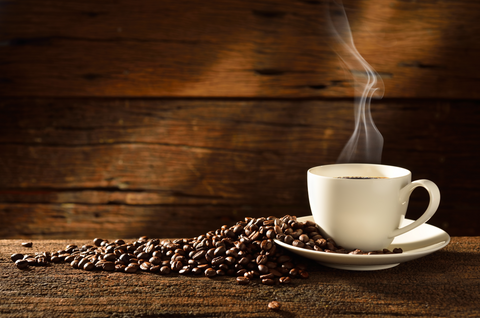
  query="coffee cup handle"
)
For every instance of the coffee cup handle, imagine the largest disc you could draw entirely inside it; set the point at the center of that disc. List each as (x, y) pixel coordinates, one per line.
(405, 193)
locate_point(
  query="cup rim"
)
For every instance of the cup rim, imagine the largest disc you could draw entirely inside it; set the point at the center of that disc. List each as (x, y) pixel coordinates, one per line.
(400, 172)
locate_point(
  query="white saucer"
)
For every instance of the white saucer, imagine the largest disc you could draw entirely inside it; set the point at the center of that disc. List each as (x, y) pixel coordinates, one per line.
(416, 243)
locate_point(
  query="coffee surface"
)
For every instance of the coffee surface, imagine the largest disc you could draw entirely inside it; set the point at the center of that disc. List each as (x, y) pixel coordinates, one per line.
(361, 178)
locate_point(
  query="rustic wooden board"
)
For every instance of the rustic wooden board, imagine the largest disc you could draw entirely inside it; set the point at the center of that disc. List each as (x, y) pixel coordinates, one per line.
(76, 167)
(443, 284)
(233, 48)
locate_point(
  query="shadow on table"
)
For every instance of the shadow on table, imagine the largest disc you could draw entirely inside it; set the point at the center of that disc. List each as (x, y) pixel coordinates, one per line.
(442, 282)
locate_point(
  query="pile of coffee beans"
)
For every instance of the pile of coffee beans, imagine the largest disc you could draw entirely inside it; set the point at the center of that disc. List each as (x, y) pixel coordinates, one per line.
(306, 235)
(245, 250)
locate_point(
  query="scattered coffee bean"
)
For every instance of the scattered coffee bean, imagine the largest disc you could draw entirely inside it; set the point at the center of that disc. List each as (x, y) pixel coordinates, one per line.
(241, 280)
(21, 263)
(274, 305)
(27, 244)
(246, 250)
(15, 257)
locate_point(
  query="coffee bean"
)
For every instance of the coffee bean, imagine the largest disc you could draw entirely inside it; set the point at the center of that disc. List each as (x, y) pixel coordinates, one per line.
(285, 280)
(69, 258)
(304, 238)
(21, 263)
(266, 244)
(108, 266)
(27, 244)
(155, 268)
(268, 281)
(110, 257)
(274, 305)
(210, 272)
(298, 243)
(261, 259)
(218, 260)
(219, 251)
(303, 274)
(176, 266)
(289, 239)
(185, 270)
(241, 280)
(97, 241)
(145, 266)
(88, 266)
(131, 268)
(15, 257)
(164, 270)
(262, 269)
(41, 261)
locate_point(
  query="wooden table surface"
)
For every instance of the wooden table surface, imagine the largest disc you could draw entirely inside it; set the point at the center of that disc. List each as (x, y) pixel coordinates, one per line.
(443, 284)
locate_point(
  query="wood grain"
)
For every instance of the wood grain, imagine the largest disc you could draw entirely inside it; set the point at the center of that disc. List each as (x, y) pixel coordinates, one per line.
(442, 284)
(149, 166)
(422, 49)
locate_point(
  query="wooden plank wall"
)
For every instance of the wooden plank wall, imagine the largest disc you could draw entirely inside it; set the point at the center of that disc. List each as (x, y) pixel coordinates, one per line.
(163, 118)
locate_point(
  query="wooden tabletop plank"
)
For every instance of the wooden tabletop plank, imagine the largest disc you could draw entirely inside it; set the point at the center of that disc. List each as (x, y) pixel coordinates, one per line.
(233, 48)
(123, 165)
(442, 284)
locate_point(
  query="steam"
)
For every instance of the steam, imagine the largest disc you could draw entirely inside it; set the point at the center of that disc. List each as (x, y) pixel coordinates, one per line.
(366, 142)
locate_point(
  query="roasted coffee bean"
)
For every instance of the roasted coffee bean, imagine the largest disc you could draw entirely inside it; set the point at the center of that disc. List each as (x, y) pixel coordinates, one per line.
(131, 268)
(397, 250)
(109, 257)
(262, 259)
(199, 255)
(219, 251)
(289, 239)
(55, 259)
(262, 269)
(185, 270)
(274, 305)
(88, 266)
(242, 280)
(303, 274)
(145, 266)
(155, 269)
(108, 266)
(41, 261)
(15, 257)
(298, 243)
(285, 280)
(268, 281)
(304, 238)
(21, 263)
(97, 241)
(266, 245)
(155, 260)
(197, 270)
(210, 272)
(176, 266)
(69, 258)
(165, 270)
(218, 260)
(27, 244)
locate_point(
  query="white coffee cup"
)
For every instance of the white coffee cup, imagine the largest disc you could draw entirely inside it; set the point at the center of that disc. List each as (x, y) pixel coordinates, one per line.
(365, 213)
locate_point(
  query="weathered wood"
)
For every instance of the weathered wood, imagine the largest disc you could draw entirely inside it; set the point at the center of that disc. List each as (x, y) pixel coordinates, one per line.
(233, 48)
(127, 165)
(444, 284)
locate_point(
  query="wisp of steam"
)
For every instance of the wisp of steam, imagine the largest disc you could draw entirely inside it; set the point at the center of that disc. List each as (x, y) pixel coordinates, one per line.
(366, 142)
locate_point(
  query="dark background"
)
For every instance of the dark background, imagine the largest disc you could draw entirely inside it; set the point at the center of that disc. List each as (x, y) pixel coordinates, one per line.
(170, 118)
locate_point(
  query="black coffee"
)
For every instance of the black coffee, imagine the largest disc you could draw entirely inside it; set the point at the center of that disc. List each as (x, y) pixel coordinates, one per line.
(361, 178)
